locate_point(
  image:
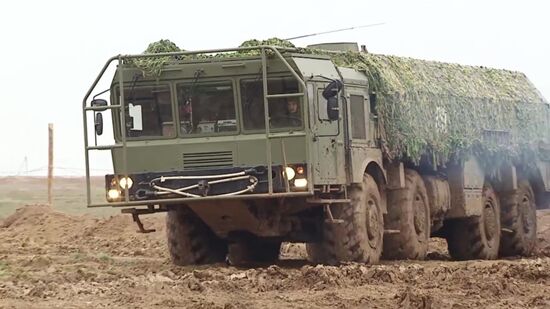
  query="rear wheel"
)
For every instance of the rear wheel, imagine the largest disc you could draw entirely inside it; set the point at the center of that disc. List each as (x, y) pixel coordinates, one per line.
(190, 240)
(359, 238)
(408, 212)
(519, 221)
(477, 237)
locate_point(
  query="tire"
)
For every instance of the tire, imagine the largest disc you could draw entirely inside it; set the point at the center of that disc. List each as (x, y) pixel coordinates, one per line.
(477, 237)
(254, 250)
(359, 238)
(519, 221)
(408, 212)
(190, 240)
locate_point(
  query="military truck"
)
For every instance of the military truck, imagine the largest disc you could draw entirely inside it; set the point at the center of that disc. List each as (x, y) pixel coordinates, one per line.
(360, 156)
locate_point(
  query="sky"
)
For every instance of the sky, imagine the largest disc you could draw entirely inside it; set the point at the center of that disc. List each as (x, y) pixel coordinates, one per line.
(52, 51)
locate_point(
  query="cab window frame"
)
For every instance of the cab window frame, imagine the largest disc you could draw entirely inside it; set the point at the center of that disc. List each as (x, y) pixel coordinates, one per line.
(232, 82)
(118, 131)
(301, 100)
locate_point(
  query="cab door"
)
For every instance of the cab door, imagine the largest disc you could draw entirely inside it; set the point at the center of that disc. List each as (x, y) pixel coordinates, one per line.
(328, 139)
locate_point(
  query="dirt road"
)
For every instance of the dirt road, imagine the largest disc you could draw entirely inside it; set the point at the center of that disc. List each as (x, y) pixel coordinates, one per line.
(54, 260)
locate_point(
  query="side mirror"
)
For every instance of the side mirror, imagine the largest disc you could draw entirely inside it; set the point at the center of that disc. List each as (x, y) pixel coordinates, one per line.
(333, 111)
(330, 94)
(98, 123)
(99, 103)
(332, 89)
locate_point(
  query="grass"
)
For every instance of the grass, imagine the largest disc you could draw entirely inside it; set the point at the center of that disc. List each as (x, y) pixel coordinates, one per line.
(3, 269)
(69, 194)
(104, 257)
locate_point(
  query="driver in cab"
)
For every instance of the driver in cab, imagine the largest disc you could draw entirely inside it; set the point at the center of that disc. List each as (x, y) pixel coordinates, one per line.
(292, 116)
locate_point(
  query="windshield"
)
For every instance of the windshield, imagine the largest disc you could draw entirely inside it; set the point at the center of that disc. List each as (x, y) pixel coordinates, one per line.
(283, 112)
(206, 108)
(148, 111)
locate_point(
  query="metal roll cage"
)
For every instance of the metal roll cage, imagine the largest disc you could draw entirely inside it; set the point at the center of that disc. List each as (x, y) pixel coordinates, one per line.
(120, 58)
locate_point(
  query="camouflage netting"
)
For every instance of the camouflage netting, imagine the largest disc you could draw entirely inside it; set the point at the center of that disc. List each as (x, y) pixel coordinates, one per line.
(439, 111)
(444, 110)
(152, 66)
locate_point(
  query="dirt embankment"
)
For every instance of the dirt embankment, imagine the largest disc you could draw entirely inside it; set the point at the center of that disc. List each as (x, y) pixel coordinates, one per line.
(49, 259)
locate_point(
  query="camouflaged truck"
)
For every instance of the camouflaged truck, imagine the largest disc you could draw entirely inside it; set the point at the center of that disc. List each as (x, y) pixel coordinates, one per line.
(250, 147)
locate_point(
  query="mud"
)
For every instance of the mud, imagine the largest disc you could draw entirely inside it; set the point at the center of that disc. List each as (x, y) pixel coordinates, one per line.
(54, 260)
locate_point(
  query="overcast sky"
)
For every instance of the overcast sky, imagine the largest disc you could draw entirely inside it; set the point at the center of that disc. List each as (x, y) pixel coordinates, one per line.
(51, 51)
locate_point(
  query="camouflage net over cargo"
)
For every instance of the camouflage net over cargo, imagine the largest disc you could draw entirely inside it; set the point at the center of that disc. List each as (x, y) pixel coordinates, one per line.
(432, 110)
(152, 66)
(443, 109)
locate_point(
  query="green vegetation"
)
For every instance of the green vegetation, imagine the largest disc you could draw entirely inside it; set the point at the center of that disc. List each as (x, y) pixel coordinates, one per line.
(3, 269)
(104, 257)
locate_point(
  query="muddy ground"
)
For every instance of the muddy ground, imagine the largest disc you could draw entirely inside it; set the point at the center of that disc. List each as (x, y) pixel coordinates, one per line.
(49, 259)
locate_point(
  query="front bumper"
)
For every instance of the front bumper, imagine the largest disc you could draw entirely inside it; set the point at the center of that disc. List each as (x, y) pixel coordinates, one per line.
(200, 185)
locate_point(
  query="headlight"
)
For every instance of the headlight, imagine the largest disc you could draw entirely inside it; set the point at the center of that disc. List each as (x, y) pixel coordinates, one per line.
(113, 195)
(125, 181)
(300, 183)
(290, 173)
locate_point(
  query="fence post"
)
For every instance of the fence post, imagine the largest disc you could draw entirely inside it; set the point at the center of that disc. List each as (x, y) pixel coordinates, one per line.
(50, 163)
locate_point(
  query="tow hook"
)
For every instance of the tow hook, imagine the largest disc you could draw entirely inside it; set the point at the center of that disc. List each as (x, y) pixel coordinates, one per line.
(135, 215)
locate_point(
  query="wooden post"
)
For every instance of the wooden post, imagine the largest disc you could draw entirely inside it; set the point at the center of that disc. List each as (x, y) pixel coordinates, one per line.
(50, 163)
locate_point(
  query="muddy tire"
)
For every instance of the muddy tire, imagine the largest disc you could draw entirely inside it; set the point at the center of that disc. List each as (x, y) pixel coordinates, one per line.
(253, 251)
(519, 221)
(359, 238)
(477, 237)
(190, 240)
(408, 212)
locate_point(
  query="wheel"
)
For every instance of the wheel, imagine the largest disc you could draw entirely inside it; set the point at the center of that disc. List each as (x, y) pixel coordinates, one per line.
(190, 241)
(359, 238)
(477, 237)
(408, 212)
(254, 250)
(519, 221)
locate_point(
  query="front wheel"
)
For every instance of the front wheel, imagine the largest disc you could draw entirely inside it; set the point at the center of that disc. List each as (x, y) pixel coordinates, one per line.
(359, 237)
(190, 240)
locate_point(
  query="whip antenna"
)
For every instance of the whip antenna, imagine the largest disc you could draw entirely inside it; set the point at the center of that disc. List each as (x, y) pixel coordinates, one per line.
(331, 31)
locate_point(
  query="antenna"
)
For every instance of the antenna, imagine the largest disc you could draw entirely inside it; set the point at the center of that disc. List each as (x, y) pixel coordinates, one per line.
(331, 31)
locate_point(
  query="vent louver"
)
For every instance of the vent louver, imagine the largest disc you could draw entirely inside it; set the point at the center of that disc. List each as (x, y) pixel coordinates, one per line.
(207, 160)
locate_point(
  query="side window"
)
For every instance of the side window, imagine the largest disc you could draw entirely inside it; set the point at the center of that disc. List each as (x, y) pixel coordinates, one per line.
(357, 110)
(283, 112)
(148, 111)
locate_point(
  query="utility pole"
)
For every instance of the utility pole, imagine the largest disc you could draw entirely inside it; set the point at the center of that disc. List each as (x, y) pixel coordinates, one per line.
(50, 163)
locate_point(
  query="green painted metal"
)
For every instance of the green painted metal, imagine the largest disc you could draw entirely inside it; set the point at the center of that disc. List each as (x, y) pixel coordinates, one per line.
(162, 155)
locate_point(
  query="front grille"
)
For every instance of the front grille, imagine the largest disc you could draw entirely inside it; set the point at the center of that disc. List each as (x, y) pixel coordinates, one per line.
(207, 160)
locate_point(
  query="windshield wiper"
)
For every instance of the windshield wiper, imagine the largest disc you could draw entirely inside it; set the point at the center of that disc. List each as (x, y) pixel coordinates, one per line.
(196, 77)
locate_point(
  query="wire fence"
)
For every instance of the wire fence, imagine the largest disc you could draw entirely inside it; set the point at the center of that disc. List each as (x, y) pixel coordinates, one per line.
(57, 171)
